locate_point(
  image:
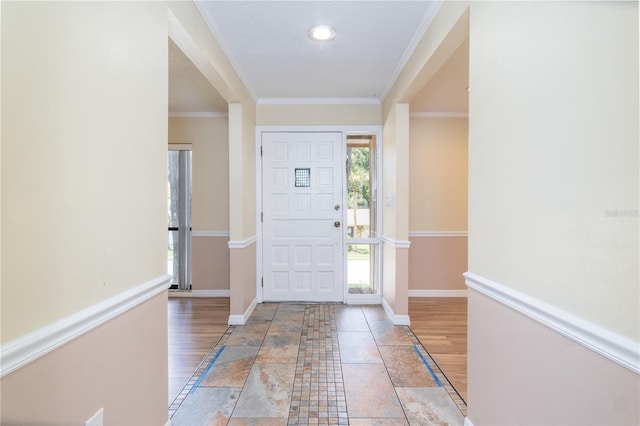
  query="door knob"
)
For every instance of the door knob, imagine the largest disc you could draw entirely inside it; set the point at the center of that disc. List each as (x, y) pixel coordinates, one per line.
(336, 224)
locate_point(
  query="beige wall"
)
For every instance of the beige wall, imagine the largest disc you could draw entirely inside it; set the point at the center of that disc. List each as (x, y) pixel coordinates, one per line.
(210, 262)
(438, 174)
(438, 203)
(192, 35)
(448, 29)
(121, 366)
(553, 152)
(84, 93)
(249, 169)
(553, 201)
(318, 115)
(437, 262)
(395, 219)
(395, 174)
(521, 372)
(243, 279)
(210, 140)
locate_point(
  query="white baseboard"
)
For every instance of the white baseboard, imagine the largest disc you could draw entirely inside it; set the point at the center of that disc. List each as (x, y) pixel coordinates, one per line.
(242, 319)
(396, 319)
(21, 351)
(437, 293)
(619, 349)
(467, 422)
(199, 293)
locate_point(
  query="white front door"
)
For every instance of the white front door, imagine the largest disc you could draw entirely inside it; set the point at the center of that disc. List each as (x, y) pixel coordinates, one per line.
(302, 183)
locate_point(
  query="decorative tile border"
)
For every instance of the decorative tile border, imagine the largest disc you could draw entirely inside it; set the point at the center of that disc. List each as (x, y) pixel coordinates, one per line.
(453, 393)
(199, 372)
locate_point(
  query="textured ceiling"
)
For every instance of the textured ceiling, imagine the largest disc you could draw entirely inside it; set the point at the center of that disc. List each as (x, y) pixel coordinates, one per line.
(267, 43)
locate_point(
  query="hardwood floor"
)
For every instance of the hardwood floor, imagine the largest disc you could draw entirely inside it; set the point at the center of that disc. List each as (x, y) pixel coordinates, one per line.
(440, 323)
(195, 325)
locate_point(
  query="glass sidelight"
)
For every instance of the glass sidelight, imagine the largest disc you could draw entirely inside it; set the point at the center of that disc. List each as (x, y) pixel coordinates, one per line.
(179, 218)
(362, 218)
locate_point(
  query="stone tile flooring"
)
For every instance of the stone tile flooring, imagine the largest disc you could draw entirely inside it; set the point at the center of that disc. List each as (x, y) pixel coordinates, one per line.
(327, 364)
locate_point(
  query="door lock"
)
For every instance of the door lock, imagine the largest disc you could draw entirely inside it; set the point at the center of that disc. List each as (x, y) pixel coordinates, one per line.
(336, 224)
(336, 207)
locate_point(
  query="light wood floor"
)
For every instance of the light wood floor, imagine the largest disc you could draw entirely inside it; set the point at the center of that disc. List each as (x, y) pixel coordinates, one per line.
(195, 325)
(440, 323)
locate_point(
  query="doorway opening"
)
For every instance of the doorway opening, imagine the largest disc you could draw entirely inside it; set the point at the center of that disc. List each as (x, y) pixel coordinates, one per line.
(362, 239)
(179, 216)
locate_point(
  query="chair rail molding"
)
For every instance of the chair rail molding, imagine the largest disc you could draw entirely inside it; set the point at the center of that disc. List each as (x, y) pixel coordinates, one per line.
(27, 348)
(619, 349)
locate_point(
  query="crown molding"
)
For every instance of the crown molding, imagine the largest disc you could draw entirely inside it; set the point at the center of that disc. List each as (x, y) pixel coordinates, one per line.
(202, 114)
(318, 101)
(417, 37)
(228, 53)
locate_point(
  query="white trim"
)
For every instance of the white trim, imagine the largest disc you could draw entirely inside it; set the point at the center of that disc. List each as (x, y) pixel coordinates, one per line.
(203, 114)
(396, 319)
(180, 147)
(437, 234)
(467, 422)
(318, 101)
(619, 349)
(199, 293)
(228, 52)
(243, 243)
(437, 293)
(443, 114)
(27, 348)
(219, 234)
(417, 37)
(259, 212)
(363, 299)
(399, 244)
(347, 130)
(242, 319)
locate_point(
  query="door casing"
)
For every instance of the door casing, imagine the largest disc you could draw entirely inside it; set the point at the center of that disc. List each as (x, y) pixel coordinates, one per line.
(345, 130)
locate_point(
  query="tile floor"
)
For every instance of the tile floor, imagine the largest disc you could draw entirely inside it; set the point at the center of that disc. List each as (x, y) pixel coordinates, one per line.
(327, 364)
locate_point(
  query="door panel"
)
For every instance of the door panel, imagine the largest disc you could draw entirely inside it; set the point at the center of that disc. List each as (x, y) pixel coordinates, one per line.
(302, 222)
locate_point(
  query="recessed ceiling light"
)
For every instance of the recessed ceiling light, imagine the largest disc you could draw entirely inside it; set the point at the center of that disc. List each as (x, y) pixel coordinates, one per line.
(322, 33)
